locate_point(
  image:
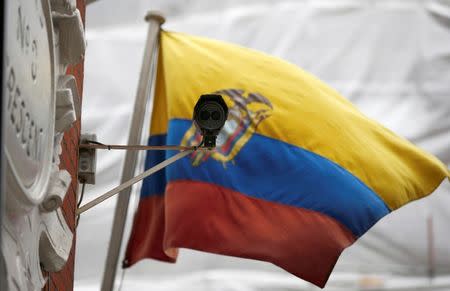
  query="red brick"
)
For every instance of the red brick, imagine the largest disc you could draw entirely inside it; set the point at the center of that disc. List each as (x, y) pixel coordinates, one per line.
(63, 280)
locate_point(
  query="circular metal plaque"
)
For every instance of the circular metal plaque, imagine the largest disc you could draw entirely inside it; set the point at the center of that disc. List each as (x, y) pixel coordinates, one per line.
(30, 97)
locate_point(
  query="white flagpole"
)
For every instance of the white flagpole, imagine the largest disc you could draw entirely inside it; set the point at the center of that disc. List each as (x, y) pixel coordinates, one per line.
(155, 21)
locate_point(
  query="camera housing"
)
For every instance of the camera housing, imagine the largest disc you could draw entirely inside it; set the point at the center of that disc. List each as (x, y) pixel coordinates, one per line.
(210, 114)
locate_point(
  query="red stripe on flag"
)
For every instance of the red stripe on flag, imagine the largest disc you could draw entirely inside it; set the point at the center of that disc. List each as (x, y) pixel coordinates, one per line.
(211, 218)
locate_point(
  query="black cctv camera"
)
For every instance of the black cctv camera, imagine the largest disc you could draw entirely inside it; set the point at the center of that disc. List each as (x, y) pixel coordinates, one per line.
(210, 114)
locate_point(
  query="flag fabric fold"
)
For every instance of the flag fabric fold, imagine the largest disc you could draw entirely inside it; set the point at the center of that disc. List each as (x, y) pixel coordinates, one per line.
(298, 174)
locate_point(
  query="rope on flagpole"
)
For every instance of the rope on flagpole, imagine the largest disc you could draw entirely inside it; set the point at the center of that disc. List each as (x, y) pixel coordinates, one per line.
(122, 279)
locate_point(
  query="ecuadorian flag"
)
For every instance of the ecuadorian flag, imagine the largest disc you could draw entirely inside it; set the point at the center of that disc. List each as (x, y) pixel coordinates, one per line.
(298, 174)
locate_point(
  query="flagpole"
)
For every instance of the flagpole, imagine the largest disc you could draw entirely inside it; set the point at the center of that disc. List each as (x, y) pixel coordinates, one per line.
(155, 20)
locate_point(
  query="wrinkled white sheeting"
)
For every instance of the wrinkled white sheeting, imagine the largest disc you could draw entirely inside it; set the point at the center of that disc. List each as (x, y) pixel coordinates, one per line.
(246, 280)
(391, 58)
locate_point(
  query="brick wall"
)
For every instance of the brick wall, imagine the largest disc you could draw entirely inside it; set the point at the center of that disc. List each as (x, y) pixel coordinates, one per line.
(63, 280)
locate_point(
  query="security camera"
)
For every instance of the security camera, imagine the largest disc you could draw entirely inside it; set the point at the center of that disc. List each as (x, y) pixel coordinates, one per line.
(210, 114)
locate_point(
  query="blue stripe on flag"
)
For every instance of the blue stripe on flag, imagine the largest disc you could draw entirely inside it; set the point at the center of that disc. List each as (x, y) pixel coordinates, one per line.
(275, 171)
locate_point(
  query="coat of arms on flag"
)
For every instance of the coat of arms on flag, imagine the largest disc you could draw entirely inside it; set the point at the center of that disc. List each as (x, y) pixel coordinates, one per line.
(247, 110)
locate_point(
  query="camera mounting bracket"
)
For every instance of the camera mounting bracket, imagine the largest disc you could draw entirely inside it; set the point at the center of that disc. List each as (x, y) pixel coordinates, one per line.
(96, 145)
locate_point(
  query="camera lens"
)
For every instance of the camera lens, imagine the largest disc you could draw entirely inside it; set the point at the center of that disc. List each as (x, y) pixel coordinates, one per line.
(204, 115)
(215, 115)
(211, 115)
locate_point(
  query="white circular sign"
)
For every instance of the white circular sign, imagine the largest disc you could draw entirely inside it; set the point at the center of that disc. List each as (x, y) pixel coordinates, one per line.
(30, 95)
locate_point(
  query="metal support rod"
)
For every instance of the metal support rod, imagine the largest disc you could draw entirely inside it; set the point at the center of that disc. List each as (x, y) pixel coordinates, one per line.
(139, 147)
(132, 181)
(155, 21)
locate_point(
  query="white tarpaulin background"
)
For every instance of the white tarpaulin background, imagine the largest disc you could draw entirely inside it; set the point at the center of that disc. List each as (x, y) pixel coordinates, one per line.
(390, 58)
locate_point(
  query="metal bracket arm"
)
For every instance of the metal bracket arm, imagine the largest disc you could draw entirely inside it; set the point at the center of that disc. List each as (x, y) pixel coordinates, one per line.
(134, 180)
